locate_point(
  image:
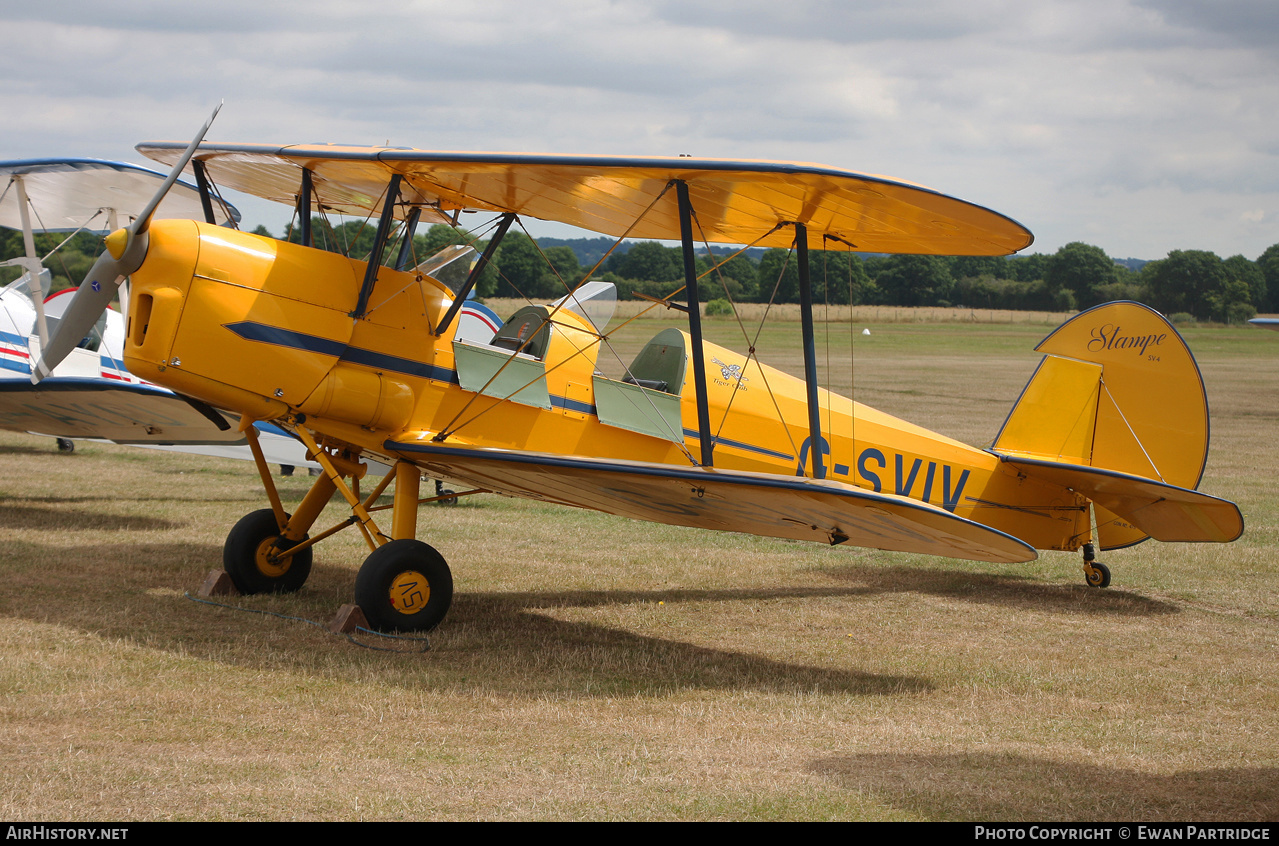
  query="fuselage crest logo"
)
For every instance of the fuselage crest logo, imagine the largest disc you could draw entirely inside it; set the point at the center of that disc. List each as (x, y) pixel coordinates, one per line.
(731, 372)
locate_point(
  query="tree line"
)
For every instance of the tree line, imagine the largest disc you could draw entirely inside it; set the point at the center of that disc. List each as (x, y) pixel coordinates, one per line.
(1191, 283)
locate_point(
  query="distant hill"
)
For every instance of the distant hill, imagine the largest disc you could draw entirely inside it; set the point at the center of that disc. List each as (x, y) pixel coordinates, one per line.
(589, 250)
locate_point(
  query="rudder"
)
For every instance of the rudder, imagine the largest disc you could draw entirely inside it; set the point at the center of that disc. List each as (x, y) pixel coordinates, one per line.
(1118, 390)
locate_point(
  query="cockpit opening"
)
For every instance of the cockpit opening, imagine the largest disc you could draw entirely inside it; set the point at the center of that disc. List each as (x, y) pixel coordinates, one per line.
(661, 364)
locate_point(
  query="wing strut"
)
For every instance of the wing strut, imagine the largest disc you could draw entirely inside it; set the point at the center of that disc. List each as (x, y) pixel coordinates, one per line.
(379, 243)
(304, 209)
(32, 264)
(458, 299)
(695, 324)
(206, 198)
(810, 352)
(406, 240)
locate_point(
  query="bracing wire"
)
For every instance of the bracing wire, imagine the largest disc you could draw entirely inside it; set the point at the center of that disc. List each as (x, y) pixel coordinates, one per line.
(453, 426)
(752, 354)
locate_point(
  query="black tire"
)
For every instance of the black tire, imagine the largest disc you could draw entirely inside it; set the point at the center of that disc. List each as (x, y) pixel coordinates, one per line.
(440, 490)
(406, 586)
(66, 446)
(1098, 576)
(244, 557)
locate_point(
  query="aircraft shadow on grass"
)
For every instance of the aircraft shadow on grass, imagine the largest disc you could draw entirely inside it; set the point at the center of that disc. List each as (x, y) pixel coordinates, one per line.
(1001, 589)
(572, 656)
(27, 512)
(1007, 786)
(25, 518)
(502, 629)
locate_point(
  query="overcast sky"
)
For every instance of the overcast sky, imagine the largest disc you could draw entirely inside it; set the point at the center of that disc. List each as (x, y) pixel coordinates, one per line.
(1141, 126)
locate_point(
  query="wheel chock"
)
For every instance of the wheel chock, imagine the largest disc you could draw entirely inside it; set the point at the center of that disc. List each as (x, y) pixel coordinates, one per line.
(349, 617)
(217, 583)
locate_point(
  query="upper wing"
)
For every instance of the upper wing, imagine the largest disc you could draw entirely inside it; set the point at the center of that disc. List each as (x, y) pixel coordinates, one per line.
(67, 194)
(738, 202)
(754, 503)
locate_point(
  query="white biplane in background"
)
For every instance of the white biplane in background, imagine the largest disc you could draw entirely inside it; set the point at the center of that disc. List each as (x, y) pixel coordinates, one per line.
(91, 394)
(361, 360)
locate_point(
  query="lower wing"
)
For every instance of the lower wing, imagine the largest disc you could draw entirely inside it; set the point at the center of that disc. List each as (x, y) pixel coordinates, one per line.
(754, 503)
(121, 412)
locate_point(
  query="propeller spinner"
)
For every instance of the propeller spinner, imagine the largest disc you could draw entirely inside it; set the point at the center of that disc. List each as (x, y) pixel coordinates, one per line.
(126, 249)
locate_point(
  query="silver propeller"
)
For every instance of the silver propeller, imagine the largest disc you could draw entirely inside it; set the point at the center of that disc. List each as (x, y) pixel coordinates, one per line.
(126, 248)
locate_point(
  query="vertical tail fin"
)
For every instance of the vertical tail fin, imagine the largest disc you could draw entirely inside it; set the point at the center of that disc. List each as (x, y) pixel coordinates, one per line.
(1118, 390)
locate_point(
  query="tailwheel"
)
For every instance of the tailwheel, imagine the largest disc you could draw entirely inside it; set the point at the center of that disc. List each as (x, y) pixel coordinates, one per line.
(251, 557)
(65, 445)
(405, 585)
(1096, 574)
(450, 496)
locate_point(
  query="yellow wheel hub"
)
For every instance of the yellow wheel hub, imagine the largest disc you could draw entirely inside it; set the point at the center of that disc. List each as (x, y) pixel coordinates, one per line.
(271, 568)
(410, 591)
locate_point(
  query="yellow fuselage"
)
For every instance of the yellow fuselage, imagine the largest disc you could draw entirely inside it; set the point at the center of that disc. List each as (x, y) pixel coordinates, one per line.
(265, 328)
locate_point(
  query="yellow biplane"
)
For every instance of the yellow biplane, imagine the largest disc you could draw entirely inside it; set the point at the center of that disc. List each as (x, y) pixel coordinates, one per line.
(361, 361)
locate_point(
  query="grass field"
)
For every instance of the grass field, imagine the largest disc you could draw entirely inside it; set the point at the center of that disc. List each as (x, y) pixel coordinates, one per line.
(594, 668)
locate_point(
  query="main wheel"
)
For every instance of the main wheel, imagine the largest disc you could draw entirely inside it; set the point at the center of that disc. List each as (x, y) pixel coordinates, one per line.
(405, 585)
(1098, 576)
(247, 557)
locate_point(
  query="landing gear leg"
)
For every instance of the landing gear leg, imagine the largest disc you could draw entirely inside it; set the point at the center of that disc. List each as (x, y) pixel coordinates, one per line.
(404, 584)
(259, 553)
(1096, 574)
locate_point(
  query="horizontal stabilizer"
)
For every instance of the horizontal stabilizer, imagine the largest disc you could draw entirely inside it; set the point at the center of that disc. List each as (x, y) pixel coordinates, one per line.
(754, 503)
(1165, 512)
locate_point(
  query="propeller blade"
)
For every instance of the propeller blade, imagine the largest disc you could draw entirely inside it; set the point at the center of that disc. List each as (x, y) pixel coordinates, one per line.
(90, 300)
(108, 272)
(144, 220)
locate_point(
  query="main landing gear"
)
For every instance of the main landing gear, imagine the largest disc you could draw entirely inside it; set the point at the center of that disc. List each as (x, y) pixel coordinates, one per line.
(404, 584)
(1096, 574)
(257, 557)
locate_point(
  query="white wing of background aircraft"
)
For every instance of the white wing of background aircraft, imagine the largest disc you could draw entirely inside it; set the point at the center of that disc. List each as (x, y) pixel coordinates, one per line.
(91, 394)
